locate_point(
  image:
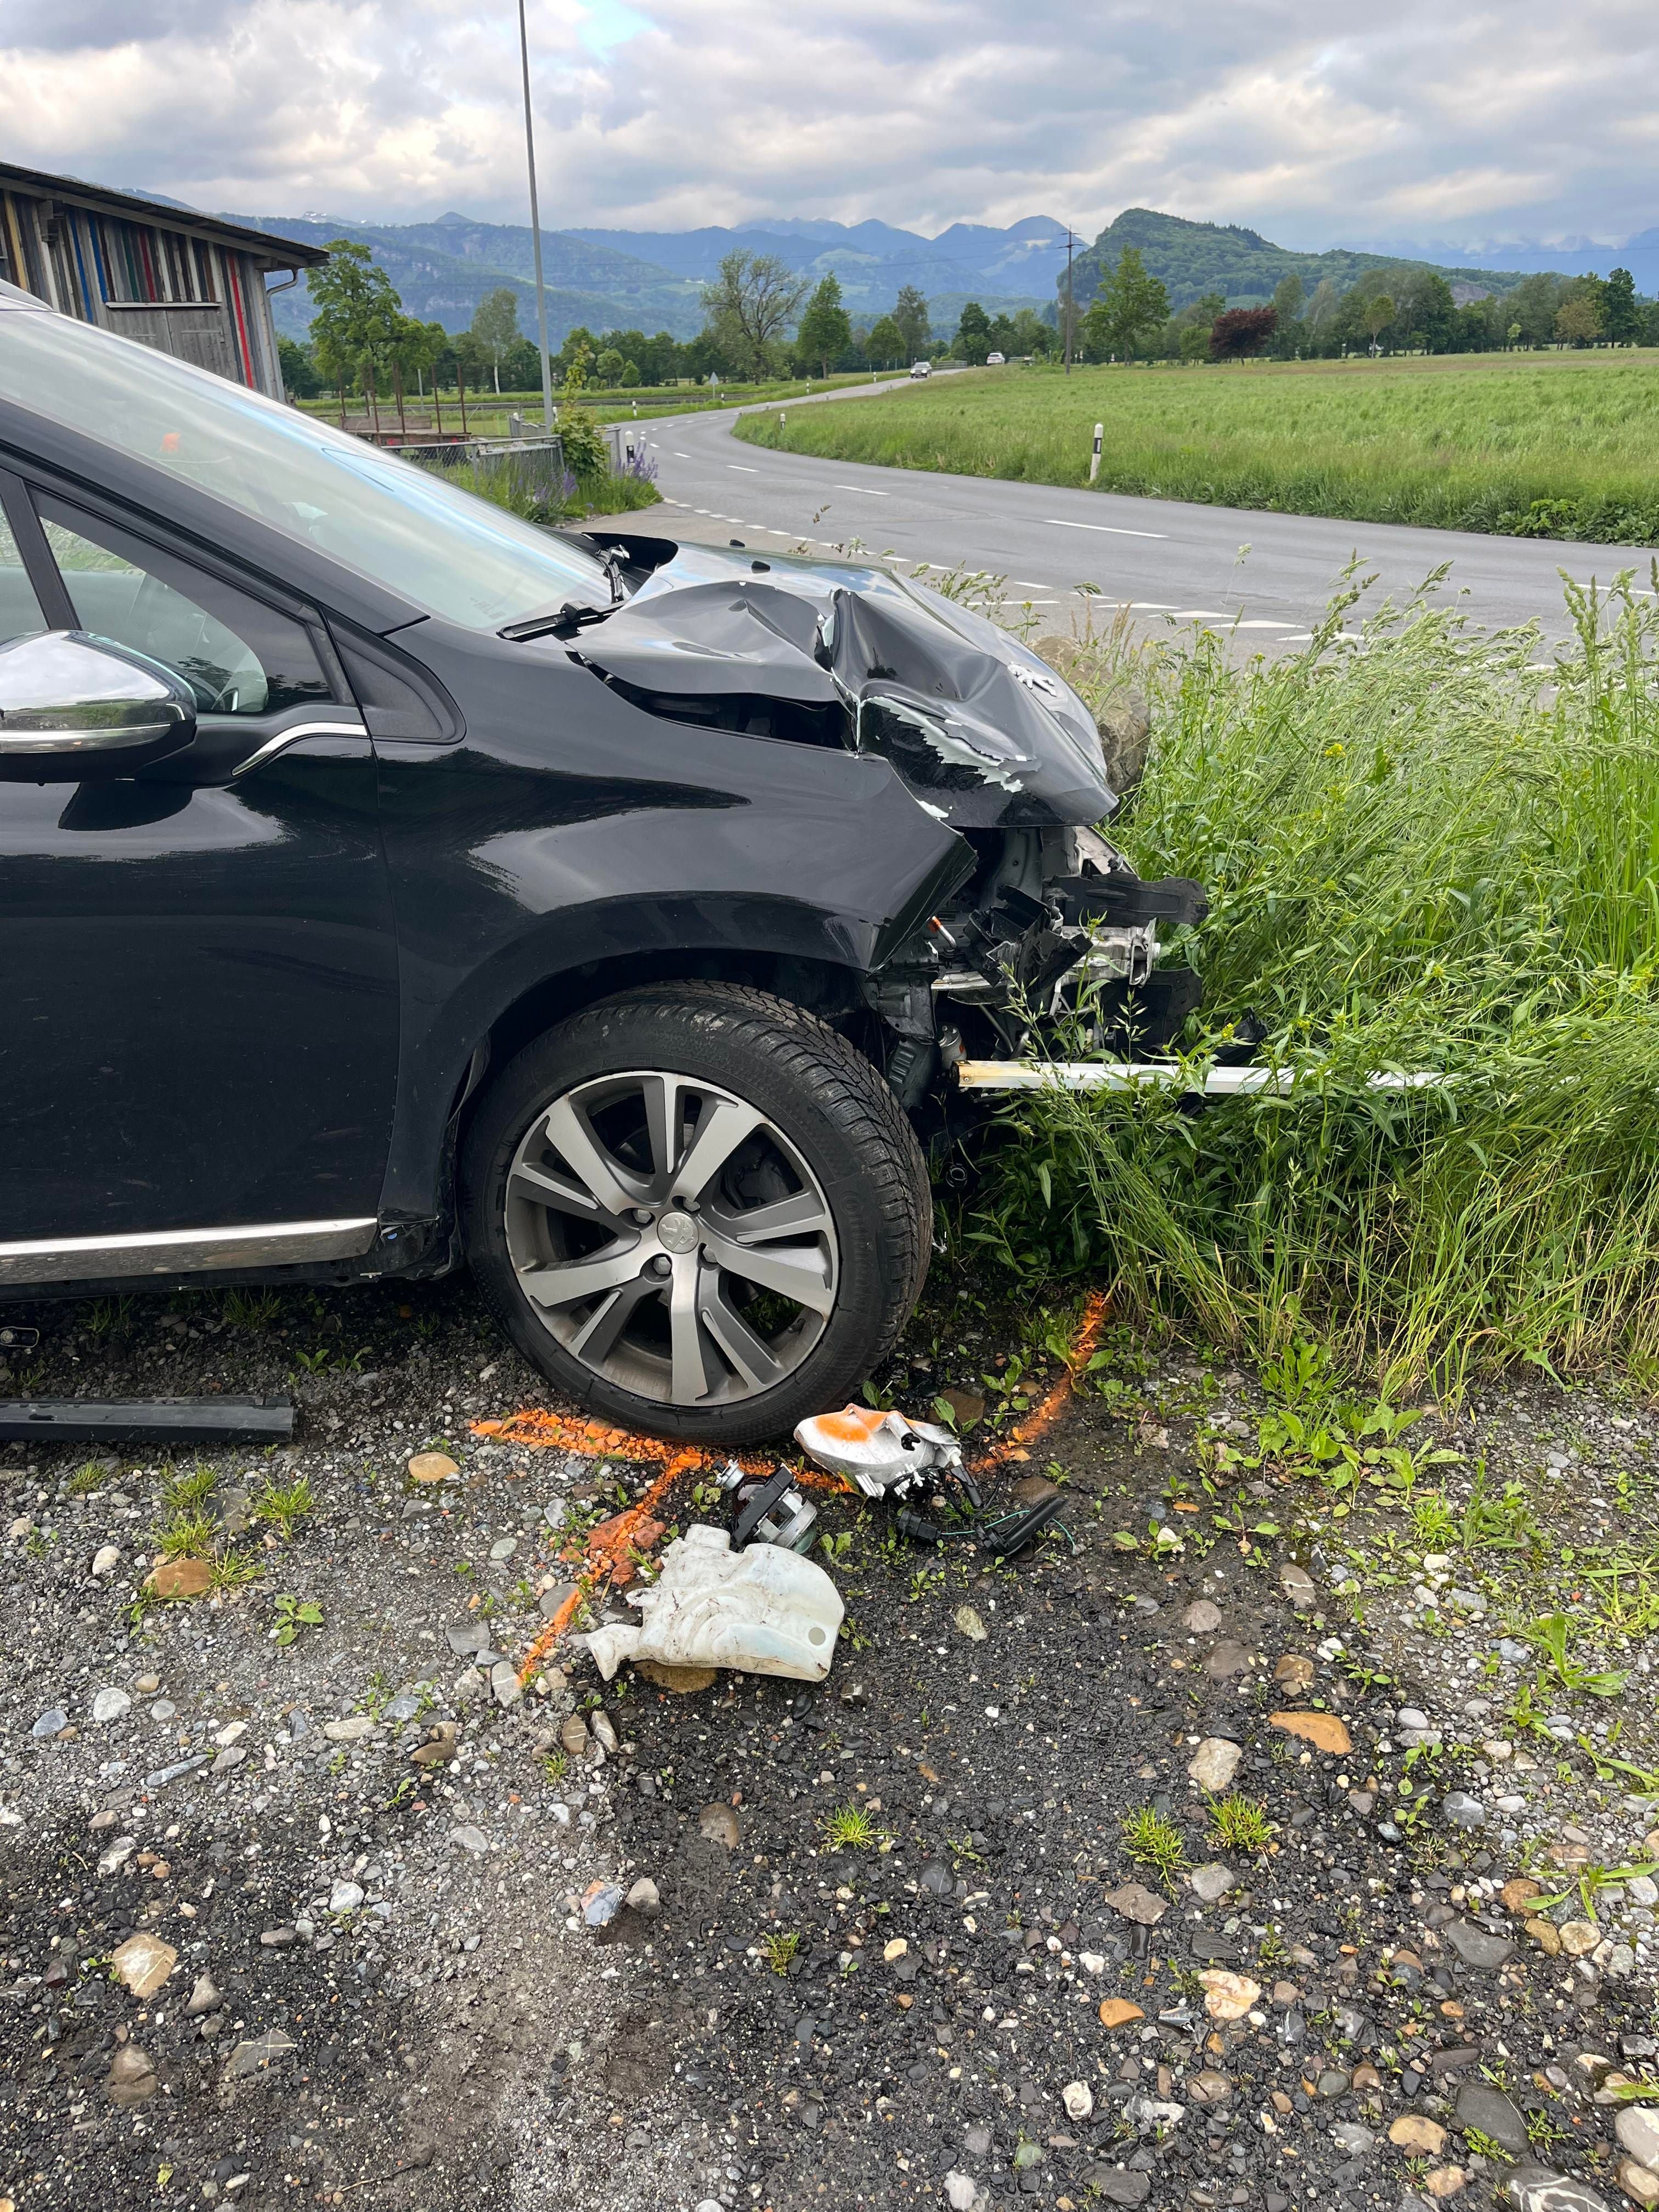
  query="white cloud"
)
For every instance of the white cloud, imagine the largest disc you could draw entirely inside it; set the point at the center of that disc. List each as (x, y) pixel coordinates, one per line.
(1314, 122)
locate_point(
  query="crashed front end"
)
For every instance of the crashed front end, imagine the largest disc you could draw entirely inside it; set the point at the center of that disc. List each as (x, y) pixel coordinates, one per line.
(1050, 933)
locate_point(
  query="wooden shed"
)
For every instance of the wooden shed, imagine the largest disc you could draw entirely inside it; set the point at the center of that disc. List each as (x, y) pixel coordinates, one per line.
(186, 283)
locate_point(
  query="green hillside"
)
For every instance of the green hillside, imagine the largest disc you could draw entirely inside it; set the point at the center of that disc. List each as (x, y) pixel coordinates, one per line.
(1192, 259)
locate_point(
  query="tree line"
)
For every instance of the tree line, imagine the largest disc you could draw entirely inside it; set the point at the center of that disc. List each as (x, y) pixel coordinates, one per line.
(761, 322)
(1385, 311)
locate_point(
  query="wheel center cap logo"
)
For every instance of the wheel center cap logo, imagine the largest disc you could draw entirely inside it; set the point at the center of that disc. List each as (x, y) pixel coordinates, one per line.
(676, 1232)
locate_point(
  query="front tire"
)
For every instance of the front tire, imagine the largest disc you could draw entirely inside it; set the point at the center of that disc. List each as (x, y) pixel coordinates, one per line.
(698, 1211)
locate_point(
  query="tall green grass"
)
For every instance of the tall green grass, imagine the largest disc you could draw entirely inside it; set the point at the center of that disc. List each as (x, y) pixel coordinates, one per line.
(1530, 445)
(1422, 853)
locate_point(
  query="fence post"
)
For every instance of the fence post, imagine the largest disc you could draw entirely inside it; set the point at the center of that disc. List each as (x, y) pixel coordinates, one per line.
(1094, 458)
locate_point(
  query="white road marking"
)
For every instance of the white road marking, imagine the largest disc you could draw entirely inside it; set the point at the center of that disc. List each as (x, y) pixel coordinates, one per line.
(1151, 607)
(681, 457)
(865, 488)
(1111, 529)
(1203, 614)
(1266, 625)
(1031, 584)
(741, 470)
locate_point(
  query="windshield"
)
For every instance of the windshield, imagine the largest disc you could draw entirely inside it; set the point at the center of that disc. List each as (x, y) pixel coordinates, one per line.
(446, 550)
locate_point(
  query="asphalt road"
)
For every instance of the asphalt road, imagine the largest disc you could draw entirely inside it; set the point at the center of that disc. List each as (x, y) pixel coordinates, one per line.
(1273, 574)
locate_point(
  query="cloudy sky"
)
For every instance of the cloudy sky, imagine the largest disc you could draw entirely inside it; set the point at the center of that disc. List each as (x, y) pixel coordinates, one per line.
(1320, 122)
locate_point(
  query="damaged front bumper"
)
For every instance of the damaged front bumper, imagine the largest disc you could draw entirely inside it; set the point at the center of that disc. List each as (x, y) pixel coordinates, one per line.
(1054, 940)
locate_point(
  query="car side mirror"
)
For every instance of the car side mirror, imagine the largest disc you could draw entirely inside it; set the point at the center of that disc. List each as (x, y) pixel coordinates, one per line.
(73, 708)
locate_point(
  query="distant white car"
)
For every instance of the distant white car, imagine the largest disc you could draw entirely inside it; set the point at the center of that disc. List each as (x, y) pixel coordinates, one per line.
(995, 359)
(921, 368)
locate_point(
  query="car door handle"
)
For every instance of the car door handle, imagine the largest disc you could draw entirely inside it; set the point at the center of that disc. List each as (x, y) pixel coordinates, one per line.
(291, 735)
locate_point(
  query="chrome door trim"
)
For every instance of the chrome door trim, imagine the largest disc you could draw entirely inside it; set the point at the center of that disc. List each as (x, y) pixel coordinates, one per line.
(292, 735)
(184, 1251)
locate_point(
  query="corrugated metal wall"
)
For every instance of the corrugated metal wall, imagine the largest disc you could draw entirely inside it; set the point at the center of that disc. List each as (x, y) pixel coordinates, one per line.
(194, 298)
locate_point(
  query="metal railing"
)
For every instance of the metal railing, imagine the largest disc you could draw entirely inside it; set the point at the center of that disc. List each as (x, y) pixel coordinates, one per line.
(528, 468)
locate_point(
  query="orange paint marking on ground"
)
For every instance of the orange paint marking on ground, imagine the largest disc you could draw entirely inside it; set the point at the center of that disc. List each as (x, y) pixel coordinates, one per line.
(608, 1558)
(1043, 1417)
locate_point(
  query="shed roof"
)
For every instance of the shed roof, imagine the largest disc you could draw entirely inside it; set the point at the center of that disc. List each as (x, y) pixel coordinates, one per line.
(280, 253)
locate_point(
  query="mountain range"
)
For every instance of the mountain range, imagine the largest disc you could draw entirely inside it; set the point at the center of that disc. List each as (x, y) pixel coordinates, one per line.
(652, 280)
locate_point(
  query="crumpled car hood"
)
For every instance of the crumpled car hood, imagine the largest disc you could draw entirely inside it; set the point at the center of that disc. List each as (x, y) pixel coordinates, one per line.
(983, 732)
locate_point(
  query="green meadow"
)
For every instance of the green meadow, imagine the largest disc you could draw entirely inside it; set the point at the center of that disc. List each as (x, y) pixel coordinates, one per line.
(1562, 444)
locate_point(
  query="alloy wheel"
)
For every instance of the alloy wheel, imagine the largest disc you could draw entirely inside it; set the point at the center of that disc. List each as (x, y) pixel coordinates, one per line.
(671, 1237)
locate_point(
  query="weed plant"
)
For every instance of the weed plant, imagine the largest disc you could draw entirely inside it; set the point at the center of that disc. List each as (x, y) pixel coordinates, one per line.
(1542, 445)
(1424, 853)
(1153, 1841)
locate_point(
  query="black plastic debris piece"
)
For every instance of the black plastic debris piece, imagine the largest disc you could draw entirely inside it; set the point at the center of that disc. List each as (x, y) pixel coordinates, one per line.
(140, 1420)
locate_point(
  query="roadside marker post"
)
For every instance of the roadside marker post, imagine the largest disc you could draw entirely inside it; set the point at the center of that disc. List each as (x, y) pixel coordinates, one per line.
(1094, 459)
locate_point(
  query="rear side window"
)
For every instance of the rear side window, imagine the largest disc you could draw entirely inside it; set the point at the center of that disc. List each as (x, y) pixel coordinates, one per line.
(20, 611)
(238, 655)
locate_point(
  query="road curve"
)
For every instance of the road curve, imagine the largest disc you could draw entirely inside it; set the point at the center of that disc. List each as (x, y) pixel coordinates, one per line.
(1272, 574)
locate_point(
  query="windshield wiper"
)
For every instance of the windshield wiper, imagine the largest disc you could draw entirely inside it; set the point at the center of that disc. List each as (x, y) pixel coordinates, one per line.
(564, 621)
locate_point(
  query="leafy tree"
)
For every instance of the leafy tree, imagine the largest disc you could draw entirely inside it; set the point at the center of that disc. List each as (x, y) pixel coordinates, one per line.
(1288, 296)
(705, 355)
(608, 367)
(1321, 309)
(973, 338)
(1621, 318)
(419, 347)
(658, 359)
(472, 362)
(1434, 312)
(1032, 335)
(521, 367)
(576, 354)
(1533, 304)
(1577, 321)
(356, 313)
(1128, 304)
(1194, 343)
(299, 377)
(884, 346)
(754, 298)
(495, 326)
(826, 329)
(630, 375)
(1379, 312)
(1240, 333)
(910, 314)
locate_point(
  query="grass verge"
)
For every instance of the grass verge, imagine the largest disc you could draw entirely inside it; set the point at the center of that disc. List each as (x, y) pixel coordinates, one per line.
(1550, 446)
(1426, 851)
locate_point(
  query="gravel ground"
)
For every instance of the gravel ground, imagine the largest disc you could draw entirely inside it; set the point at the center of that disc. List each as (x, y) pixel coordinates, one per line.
(295, 1871)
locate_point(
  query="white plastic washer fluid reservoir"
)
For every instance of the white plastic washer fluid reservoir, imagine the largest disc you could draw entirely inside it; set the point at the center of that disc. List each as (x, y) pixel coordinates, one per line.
(762, 1610)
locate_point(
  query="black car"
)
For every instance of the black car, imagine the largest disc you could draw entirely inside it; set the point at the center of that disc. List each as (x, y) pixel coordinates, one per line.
(387, 882)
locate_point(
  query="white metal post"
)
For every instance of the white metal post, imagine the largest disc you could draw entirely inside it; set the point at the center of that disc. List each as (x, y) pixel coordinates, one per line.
(536, 230)
(1094, 459)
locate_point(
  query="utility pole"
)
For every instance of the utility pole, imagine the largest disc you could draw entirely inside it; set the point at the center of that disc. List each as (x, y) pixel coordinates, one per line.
(1071, 242)
(535, 229)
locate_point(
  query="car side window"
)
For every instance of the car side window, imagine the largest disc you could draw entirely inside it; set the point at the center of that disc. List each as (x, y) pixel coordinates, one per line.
(238, 655)
(20, 611)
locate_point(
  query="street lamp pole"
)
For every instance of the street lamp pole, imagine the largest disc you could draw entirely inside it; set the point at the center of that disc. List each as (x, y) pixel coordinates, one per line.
(536, 228)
